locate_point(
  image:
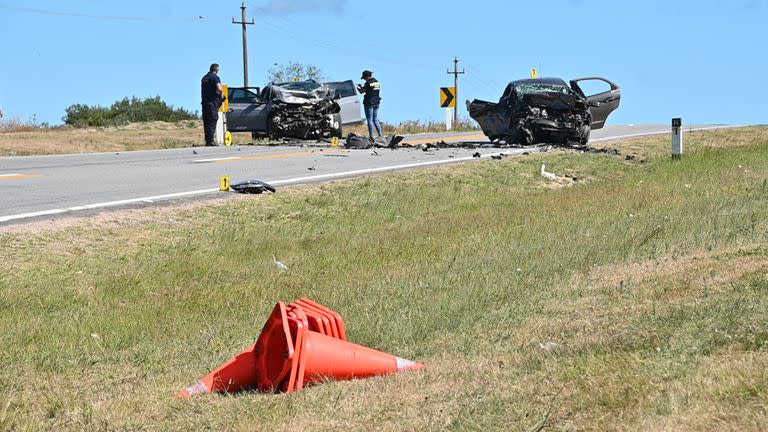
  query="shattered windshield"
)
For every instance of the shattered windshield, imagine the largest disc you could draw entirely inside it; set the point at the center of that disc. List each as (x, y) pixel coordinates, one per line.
(303, 86)
(529, 88)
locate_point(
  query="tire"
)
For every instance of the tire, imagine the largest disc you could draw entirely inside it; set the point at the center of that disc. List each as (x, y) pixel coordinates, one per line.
(584, 133)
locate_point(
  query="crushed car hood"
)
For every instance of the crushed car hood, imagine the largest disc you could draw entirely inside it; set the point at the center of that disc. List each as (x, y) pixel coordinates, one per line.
(307, 92)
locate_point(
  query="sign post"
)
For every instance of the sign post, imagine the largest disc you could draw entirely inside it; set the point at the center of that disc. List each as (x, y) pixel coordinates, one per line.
(677, 138)
(220, 137)
(448, 101)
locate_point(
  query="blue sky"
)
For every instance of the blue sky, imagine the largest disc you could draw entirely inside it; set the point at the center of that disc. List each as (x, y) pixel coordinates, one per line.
(703, 60)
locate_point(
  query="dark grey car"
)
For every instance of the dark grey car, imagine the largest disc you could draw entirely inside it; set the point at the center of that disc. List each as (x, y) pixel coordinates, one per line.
(546, 110)
(303, 109)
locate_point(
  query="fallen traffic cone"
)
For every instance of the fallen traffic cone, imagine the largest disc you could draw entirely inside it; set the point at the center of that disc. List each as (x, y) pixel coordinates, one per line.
(289, 354)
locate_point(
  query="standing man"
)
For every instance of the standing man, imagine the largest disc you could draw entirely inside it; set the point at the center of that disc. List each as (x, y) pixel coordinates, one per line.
(212, 96)
(371, 101)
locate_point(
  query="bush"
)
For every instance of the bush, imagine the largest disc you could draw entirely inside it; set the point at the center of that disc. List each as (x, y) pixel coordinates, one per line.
(133, 110)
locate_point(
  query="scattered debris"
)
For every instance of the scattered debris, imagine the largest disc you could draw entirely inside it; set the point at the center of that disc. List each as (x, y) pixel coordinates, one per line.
(545, 174)
(252, 187)
(549, 346)
(477, 155)
(279, 265)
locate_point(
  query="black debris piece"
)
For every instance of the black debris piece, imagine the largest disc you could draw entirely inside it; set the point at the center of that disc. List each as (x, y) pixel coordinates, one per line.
(252, 187)
(476, 155)
(358, 142)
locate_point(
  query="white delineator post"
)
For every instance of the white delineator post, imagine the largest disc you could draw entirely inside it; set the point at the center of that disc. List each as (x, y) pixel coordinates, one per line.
(221, 129)
(677, 138)
(448, 118)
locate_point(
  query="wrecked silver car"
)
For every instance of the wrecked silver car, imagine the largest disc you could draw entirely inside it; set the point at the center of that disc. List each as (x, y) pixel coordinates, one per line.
(546, 110)
(302, 110)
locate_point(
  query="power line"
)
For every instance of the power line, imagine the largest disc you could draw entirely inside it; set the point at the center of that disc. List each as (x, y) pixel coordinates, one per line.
(72, 14)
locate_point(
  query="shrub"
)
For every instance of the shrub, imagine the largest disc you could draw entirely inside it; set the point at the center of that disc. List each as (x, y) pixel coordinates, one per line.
(133, 110)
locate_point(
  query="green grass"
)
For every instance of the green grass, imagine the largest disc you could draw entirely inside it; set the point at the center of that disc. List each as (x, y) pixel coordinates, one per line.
(651, 277)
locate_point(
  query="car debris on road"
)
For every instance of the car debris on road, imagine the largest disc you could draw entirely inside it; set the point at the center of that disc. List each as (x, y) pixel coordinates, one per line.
(252, 187)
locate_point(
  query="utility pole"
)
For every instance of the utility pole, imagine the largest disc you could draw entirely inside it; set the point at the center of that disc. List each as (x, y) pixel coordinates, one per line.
(456, 74)
(244, 23)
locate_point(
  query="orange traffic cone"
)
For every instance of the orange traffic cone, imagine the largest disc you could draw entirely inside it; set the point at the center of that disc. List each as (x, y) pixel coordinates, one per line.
(289, 355)
(237, 374)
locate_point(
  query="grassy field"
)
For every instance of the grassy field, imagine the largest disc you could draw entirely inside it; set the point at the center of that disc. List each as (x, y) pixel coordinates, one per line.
(635, 298)
(28, 139)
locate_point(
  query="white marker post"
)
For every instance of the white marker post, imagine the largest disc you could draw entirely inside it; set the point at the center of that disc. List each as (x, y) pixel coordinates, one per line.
(448, 119)
(677, 138)
(221, 129)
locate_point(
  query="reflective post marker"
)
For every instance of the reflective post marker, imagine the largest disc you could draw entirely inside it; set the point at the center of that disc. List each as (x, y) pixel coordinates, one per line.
(677, 138)
(448, 125)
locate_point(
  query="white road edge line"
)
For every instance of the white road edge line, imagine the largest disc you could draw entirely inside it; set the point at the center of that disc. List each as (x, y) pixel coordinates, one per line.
(307, 178)
(9, 175)
(217, 159)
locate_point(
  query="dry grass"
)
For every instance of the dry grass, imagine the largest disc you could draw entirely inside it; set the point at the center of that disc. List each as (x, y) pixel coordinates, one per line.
(18, 138)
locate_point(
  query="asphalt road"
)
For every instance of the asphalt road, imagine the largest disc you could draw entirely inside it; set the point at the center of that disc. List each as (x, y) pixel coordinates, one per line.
(48, 186)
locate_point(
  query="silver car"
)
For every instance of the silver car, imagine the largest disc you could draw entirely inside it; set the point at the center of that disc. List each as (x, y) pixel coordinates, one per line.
(303, 109)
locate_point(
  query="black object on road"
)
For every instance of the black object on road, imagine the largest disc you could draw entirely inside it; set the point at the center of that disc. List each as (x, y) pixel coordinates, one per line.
(252, 187)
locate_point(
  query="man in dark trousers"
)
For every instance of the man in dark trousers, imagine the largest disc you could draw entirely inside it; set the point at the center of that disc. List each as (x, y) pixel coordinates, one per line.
(371, 101)
(212, 96)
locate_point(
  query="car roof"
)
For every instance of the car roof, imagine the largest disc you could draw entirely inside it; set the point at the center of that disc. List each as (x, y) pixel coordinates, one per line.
(551, 81)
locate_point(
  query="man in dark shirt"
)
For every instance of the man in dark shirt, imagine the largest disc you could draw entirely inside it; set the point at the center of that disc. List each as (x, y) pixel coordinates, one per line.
(371, 89)
(211, 93)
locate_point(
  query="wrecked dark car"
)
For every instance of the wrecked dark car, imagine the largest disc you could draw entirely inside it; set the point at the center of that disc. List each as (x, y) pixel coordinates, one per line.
(301, 110)
(547, 110)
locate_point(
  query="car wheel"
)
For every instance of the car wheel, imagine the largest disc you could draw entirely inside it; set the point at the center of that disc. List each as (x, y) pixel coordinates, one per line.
(584, 133)
(271, 134)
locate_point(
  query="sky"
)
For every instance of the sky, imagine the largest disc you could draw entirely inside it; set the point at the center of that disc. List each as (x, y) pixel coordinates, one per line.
(701, 60)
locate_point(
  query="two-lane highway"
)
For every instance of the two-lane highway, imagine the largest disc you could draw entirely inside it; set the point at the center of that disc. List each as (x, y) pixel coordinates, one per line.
(39, 186)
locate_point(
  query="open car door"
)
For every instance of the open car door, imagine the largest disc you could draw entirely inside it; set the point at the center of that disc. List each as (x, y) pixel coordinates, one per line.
(246, 109)
(349, 101)
(603, 96)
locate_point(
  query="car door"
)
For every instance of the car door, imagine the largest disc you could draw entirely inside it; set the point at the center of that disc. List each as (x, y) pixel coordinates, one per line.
(603, 96)
(349, 101)
(245, 107)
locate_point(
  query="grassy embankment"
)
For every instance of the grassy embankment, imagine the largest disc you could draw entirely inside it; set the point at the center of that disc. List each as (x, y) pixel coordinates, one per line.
(27, 139)
(652, 278)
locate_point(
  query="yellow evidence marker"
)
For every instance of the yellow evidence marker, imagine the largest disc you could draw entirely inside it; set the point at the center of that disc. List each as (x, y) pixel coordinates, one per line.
(534, 73)
(228, 139)
(335, 142)
(224, 184)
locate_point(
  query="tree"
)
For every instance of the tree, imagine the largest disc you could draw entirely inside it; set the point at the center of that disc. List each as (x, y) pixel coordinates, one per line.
(294, 71)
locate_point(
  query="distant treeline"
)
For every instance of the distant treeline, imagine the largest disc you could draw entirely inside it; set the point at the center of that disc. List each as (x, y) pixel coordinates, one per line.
(133, 110)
